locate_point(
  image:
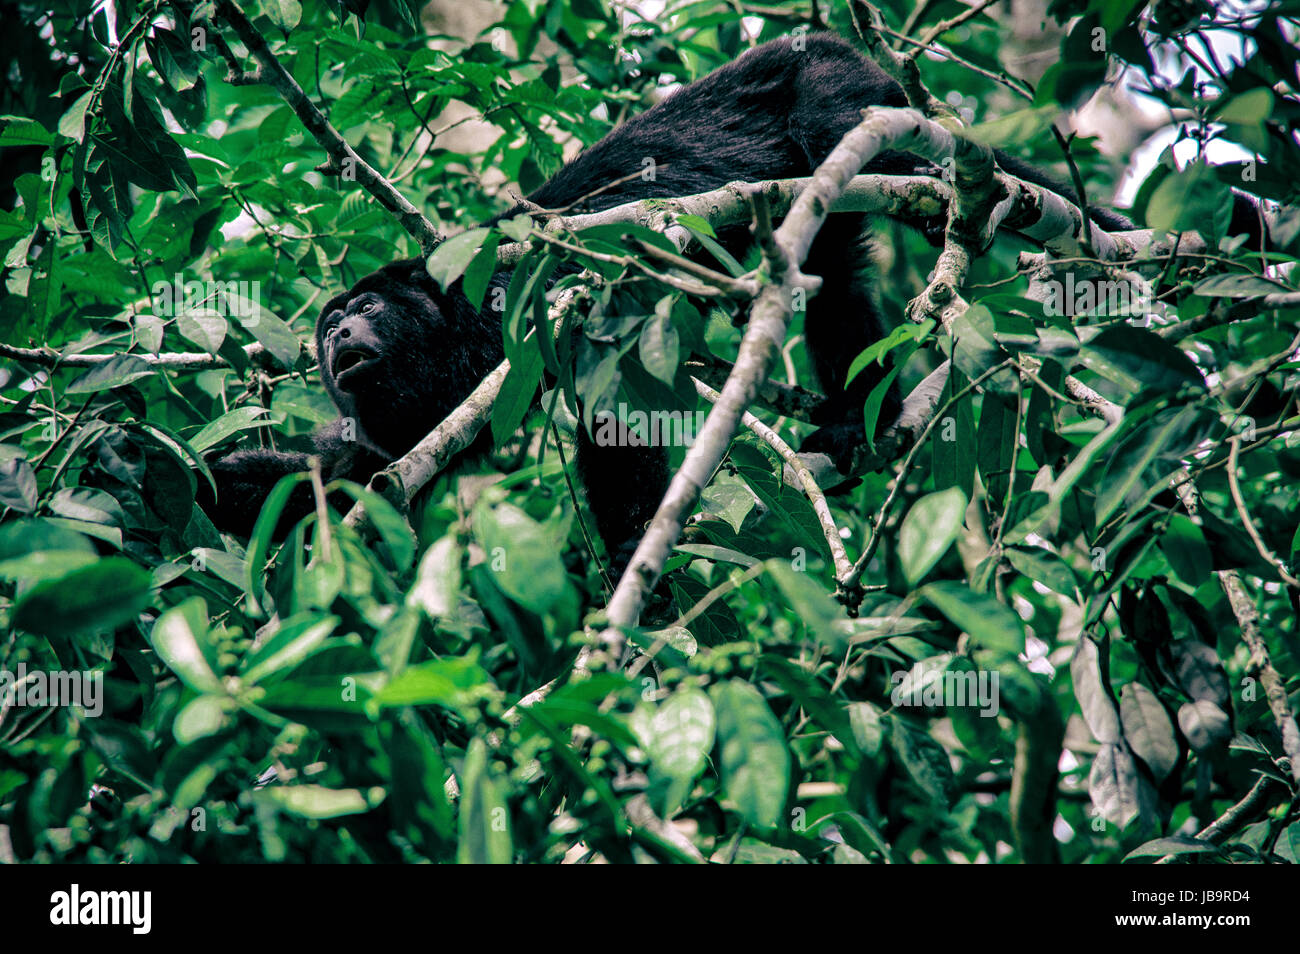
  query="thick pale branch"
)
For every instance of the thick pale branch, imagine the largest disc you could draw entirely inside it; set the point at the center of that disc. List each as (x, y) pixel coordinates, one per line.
(1243, 608)
(763, 337)
(805, 477)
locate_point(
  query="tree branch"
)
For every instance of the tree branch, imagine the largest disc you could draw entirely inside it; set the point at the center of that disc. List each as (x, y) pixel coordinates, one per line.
(180, 360)
(764, 334)
(342, 154)
(804, 475)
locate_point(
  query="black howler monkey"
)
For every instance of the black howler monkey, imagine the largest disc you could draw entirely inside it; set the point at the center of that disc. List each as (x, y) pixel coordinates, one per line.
(397, 353)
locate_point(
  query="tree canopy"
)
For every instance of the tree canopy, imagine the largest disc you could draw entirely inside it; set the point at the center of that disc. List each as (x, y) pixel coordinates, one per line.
(1054, 618)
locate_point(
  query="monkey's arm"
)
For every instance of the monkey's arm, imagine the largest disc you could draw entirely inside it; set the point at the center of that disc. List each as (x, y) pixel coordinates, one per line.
(245, 479)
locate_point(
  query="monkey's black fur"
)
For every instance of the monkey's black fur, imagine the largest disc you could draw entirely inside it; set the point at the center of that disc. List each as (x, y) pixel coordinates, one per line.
(397, 354)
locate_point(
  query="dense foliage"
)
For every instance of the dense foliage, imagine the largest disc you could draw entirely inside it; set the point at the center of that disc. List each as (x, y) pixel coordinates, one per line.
(347, 693)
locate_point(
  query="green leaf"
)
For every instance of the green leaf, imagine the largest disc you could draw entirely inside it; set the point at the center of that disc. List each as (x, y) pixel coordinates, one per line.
(18, 488)
(73, 122)
(1148, 729)
(677, 735)
(928, 530)
(1199, 671)
(260, 541)
(294, 640)
(201, 717)
(95, 598)
(317, 801)
(867, 723)
(272, 333)
(232, 422)
(480, 271)
(285, 14)
(207, 329)
(522, 555)
(116, 371)
(1136, 360)
(1136, 470)
(392, 527)
(436, 589)
(925, 760)
(809, 600)
(182, 641)
(484, 818)
(456, 683)
(1044, 567)
(1206, 726)
(1095, 699)
(752, 755)
(517, 391)
(696, 224)
(1184, 546)
(1188, 200)
(20, 131)
(1119, 793)
(450, 259)
(991, 623)
(659, 344)
(1176, 845)
(1250, 108)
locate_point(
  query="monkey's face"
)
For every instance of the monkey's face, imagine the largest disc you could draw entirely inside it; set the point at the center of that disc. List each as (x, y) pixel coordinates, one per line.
(397, 354)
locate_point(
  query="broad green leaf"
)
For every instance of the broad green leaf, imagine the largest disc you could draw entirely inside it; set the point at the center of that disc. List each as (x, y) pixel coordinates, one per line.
(232, 422)
(659, 345)
(450, 259)
(928, 530)
(317, 801)
(677, 734)
(1044, 567)
(992, 624)
(1206, 726)
(1159, 847)
(752, 755)
(1119, 793)
(437, 580)
(484, 818)
(1135, 360)
(456, 683)
(290, 644)
(522, 556)
(116, 371)
(1199, 671)
(271, 332)
(1135, 470)
(925, 760)
(1093, 693)
(867, 722)
(260, 541)
(1148, 729)
(201, 717)
(1184, 546)
(95, 598)
(808, 599)
(18, 490)
(183, 642)
(285, 14)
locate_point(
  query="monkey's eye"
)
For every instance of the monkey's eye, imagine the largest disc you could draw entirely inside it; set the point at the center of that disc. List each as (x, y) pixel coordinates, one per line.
(368, 307)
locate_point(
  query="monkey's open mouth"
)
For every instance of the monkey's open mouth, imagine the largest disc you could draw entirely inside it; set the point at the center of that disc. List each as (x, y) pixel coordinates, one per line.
(350, 361)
